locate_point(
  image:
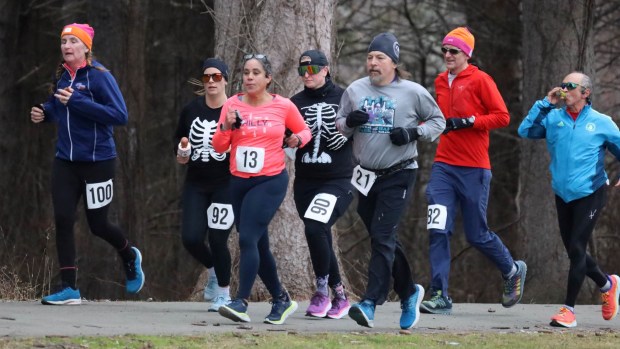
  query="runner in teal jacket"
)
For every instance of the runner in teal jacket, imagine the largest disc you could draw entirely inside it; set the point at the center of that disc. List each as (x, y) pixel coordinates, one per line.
(577, 137)
(577, 147)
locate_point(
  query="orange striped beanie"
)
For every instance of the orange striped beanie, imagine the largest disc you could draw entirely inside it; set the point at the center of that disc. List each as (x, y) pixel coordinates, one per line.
(462, 38)
(84, 32)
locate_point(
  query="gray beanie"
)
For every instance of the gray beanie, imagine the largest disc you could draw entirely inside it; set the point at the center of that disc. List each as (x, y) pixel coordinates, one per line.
(386, 43)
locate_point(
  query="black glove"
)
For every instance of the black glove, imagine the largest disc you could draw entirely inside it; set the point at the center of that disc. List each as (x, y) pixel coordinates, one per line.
(458, 123)
(287, 134)
(402, 136)
(357, 118)
(238, 120)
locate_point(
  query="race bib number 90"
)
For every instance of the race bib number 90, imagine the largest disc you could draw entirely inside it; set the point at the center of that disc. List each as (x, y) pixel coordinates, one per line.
(363, 179)
(99, 194)
(321, 207)
(437, 216)
(250, 159)
(220, 216)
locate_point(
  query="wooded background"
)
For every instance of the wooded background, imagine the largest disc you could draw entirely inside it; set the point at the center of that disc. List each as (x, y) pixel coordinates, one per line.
(153, 48)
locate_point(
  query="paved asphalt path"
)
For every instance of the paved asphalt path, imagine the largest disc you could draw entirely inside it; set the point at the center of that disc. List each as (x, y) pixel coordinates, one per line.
(106, 318)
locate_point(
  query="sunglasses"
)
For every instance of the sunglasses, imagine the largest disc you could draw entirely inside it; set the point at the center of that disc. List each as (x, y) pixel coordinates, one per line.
(259, 56)
(453, 51)
(216, 77)
(310, 69)
(569, 86)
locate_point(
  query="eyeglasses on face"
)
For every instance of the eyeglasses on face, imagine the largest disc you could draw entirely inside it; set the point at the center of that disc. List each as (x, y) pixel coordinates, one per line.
(569, 86)
(259, 56)
(217, 77)
(310, 69)
(453, 51)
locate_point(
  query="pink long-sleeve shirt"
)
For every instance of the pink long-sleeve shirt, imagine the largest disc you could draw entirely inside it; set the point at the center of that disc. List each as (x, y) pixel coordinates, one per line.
(256, 147)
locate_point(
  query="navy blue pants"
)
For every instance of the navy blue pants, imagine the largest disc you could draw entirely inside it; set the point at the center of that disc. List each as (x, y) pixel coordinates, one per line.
(380, 211)
(577, 220)
(453, 187)
(255, 201)
(318, 234)
(195, 228)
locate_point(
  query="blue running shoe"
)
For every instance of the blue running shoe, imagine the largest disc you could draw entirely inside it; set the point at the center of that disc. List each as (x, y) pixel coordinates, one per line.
(134, 273)
(210, 291)
(66, 296)
(411, 308)
(363, 313)
(236, 310)
(218, 301)
(281, 308)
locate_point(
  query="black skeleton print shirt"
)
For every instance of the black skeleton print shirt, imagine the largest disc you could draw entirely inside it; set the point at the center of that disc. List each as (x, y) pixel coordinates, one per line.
(328, 154)
(206, 167)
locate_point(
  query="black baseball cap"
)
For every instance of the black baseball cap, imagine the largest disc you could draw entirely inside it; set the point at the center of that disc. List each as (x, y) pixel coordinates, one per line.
(313, 57)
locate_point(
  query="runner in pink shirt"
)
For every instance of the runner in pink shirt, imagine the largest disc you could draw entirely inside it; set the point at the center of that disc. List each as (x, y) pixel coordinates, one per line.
(252, 126)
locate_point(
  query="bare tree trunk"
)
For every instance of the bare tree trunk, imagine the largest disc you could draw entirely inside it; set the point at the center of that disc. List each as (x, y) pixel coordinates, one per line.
(277, 29)
(556, 41)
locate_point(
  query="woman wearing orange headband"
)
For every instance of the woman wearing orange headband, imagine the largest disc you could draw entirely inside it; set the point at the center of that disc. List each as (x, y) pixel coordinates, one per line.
(86, 103)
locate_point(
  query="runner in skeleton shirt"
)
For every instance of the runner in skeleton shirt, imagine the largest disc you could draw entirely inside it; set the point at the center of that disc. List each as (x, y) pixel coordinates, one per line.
(207, 211)
(322, 187)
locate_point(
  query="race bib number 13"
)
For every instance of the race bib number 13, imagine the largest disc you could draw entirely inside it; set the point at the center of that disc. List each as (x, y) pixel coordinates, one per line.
(250, 159)
(99, 194)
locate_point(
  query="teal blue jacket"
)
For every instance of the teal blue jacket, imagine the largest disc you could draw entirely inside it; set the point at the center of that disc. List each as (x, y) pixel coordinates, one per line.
(577, 147)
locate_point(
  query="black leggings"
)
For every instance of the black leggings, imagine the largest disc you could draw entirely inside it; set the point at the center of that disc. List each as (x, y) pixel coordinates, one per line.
(577, 220)
(318, 234)
(69, 180)
(196, 227)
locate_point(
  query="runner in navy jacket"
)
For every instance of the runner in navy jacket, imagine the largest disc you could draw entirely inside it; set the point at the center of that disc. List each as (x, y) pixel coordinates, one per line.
(86, 103)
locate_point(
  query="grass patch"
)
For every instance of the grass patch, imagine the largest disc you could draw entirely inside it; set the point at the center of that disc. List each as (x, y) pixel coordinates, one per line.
(540, 340)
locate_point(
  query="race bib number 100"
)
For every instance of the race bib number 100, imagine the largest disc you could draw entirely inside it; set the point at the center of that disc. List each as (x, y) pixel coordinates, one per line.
(363, 179)
(98, 194)
(250, 159)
